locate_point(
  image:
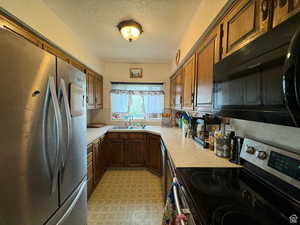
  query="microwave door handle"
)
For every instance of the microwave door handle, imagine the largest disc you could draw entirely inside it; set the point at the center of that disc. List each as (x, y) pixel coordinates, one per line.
(297, 81)
(64, 94)
(58, 124)
(176, 199)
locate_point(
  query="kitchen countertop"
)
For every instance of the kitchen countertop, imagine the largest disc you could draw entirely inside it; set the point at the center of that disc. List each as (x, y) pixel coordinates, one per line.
(185, 152)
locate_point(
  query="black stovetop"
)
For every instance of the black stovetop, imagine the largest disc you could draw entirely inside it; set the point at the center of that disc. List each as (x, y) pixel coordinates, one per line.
(226, 196)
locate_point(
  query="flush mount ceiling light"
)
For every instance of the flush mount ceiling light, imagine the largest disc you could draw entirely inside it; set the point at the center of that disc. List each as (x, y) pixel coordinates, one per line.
(130, 30)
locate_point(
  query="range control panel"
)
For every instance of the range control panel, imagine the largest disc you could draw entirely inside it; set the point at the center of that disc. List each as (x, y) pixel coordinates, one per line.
(279, 162)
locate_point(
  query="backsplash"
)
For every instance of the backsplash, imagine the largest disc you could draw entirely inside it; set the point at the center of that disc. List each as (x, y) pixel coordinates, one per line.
(281, 136)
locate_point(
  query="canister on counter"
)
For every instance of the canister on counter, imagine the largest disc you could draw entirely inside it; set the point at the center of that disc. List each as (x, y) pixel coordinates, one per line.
(222, 146)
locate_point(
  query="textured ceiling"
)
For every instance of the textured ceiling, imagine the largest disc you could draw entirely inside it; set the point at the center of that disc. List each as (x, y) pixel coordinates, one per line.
(163, 21)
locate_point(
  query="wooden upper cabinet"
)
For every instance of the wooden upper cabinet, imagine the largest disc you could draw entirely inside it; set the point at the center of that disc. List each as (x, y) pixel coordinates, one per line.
(189, 76)
(283, 9)
(90, 90)
(178, 88)
(99, 92)
(207, 55)
(172, 91)
(246, 20)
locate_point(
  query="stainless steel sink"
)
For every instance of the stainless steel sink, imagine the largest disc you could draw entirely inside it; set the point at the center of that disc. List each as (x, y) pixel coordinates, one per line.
(128, 127)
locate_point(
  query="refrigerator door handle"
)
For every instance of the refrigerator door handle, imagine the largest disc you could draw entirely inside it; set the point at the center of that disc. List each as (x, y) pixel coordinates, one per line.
(69, 210)
(44, 128)
(64, 94)
(58, 124)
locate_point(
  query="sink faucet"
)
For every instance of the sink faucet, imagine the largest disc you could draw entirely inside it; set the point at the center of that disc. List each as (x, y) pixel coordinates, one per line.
(129, 122)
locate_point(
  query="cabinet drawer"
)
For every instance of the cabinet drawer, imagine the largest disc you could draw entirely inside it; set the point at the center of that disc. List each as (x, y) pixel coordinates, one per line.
(113, 135)
(140, 136)
(153, 136)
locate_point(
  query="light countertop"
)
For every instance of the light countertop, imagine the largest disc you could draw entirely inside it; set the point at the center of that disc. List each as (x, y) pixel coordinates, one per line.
(185, 152)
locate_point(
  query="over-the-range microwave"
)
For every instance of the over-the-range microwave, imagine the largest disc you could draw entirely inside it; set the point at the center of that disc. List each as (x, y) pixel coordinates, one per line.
(261, 81)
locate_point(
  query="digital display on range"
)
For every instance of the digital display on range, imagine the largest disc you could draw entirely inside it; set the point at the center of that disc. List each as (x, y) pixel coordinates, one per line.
(285, 165)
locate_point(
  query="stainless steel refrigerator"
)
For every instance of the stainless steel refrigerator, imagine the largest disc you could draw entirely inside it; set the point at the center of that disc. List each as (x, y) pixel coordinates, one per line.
(42, 137)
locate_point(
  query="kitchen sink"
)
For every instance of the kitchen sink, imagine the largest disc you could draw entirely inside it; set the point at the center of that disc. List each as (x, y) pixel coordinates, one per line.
(128, 127)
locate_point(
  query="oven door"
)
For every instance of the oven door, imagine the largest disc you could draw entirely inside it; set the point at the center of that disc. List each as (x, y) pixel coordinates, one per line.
(181, 203)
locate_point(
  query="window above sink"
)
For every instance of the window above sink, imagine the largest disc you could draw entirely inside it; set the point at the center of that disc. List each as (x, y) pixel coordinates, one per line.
(137, 101)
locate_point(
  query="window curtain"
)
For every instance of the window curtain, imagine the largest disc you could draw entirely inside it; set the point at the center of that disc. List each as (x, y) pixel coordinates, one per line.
(137, 99)
(154, 103)
(119, 103)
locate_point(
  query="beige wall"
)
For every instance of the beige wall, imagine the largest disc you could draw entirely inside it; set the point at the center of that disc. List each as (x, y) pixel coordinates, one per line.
(206, 12)
(38, 16)
(119, 72)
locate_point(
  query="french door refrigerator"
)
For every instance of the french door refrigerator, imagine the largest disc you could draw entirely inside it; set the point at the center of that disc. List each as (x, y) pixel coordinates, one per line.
(42, 137)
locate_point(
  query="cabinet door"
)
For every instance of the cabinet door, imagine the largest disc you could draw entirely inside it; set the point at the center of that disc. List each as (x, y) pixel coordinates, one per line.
(189, 75)
(90, 170)
(283, 9)
(134, 153)
(96, 162)
(98, 90)
(115, 152)
(153, 160)
(246, 20)
(207, 55)
(178, 89)
(90, 91)
(172, 92)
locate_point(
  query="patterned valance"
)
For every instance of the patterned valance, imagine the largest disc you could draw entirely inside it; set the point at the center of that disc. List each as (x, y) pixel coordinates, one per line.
(137, 89)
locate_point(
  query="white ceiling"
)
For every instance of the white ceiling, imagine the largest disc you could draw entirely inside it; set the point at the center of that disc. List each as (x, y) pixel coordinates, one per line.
(163, 21)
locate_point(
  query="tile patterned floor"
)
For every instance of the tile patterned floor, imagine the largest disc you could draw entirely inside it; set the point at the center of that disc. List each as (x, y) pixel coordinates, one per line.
(126, 197)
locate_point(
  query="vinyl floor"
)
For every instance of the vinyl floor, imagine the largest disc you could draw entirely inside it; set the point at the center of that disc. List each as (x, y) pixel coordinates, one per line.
(126, 197)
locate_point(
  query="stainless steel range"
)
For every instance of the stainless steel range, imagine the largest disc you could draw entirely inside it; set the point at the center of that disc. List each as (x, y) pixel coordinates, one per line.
(266, 190)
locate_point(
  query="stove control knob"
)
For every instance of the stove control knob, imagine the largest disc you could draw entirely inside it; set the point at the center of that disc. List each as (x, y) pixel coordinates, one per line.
(262, 155)
(250, 150)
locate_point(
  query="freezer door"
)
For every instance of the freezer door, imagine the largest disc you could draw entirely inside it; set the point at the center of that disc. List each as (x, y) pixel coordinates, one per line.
(71, 82)
(28, 134)
(74, 209)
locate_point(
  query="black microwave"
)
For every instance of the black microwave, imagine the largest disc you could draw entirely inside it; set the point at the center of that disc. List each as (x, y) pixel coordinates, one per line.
(261, 81)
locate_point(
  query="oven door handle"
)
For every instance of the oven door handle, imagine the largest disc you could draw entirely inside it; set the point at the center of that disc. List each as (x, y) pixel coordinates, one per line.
(176, 199)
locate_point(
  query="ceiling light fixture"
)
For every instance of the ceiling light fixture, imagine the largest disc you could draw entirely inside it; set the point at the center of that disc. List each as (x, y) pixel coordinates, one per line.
(130, 30)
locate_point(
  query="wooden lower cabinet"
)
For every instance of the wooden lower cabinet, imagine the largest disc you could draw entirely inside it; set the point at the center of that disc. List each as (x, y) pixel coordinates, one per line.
(115, 152)
(154, 158)
(96, 165)
(99, 162)
(90, 170)
(134, 153)
(134, 150)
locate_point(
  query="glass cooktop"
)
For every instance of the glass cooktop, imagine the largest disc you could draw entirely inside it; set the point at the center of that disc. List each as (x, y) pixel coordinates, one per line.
(227, 196)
